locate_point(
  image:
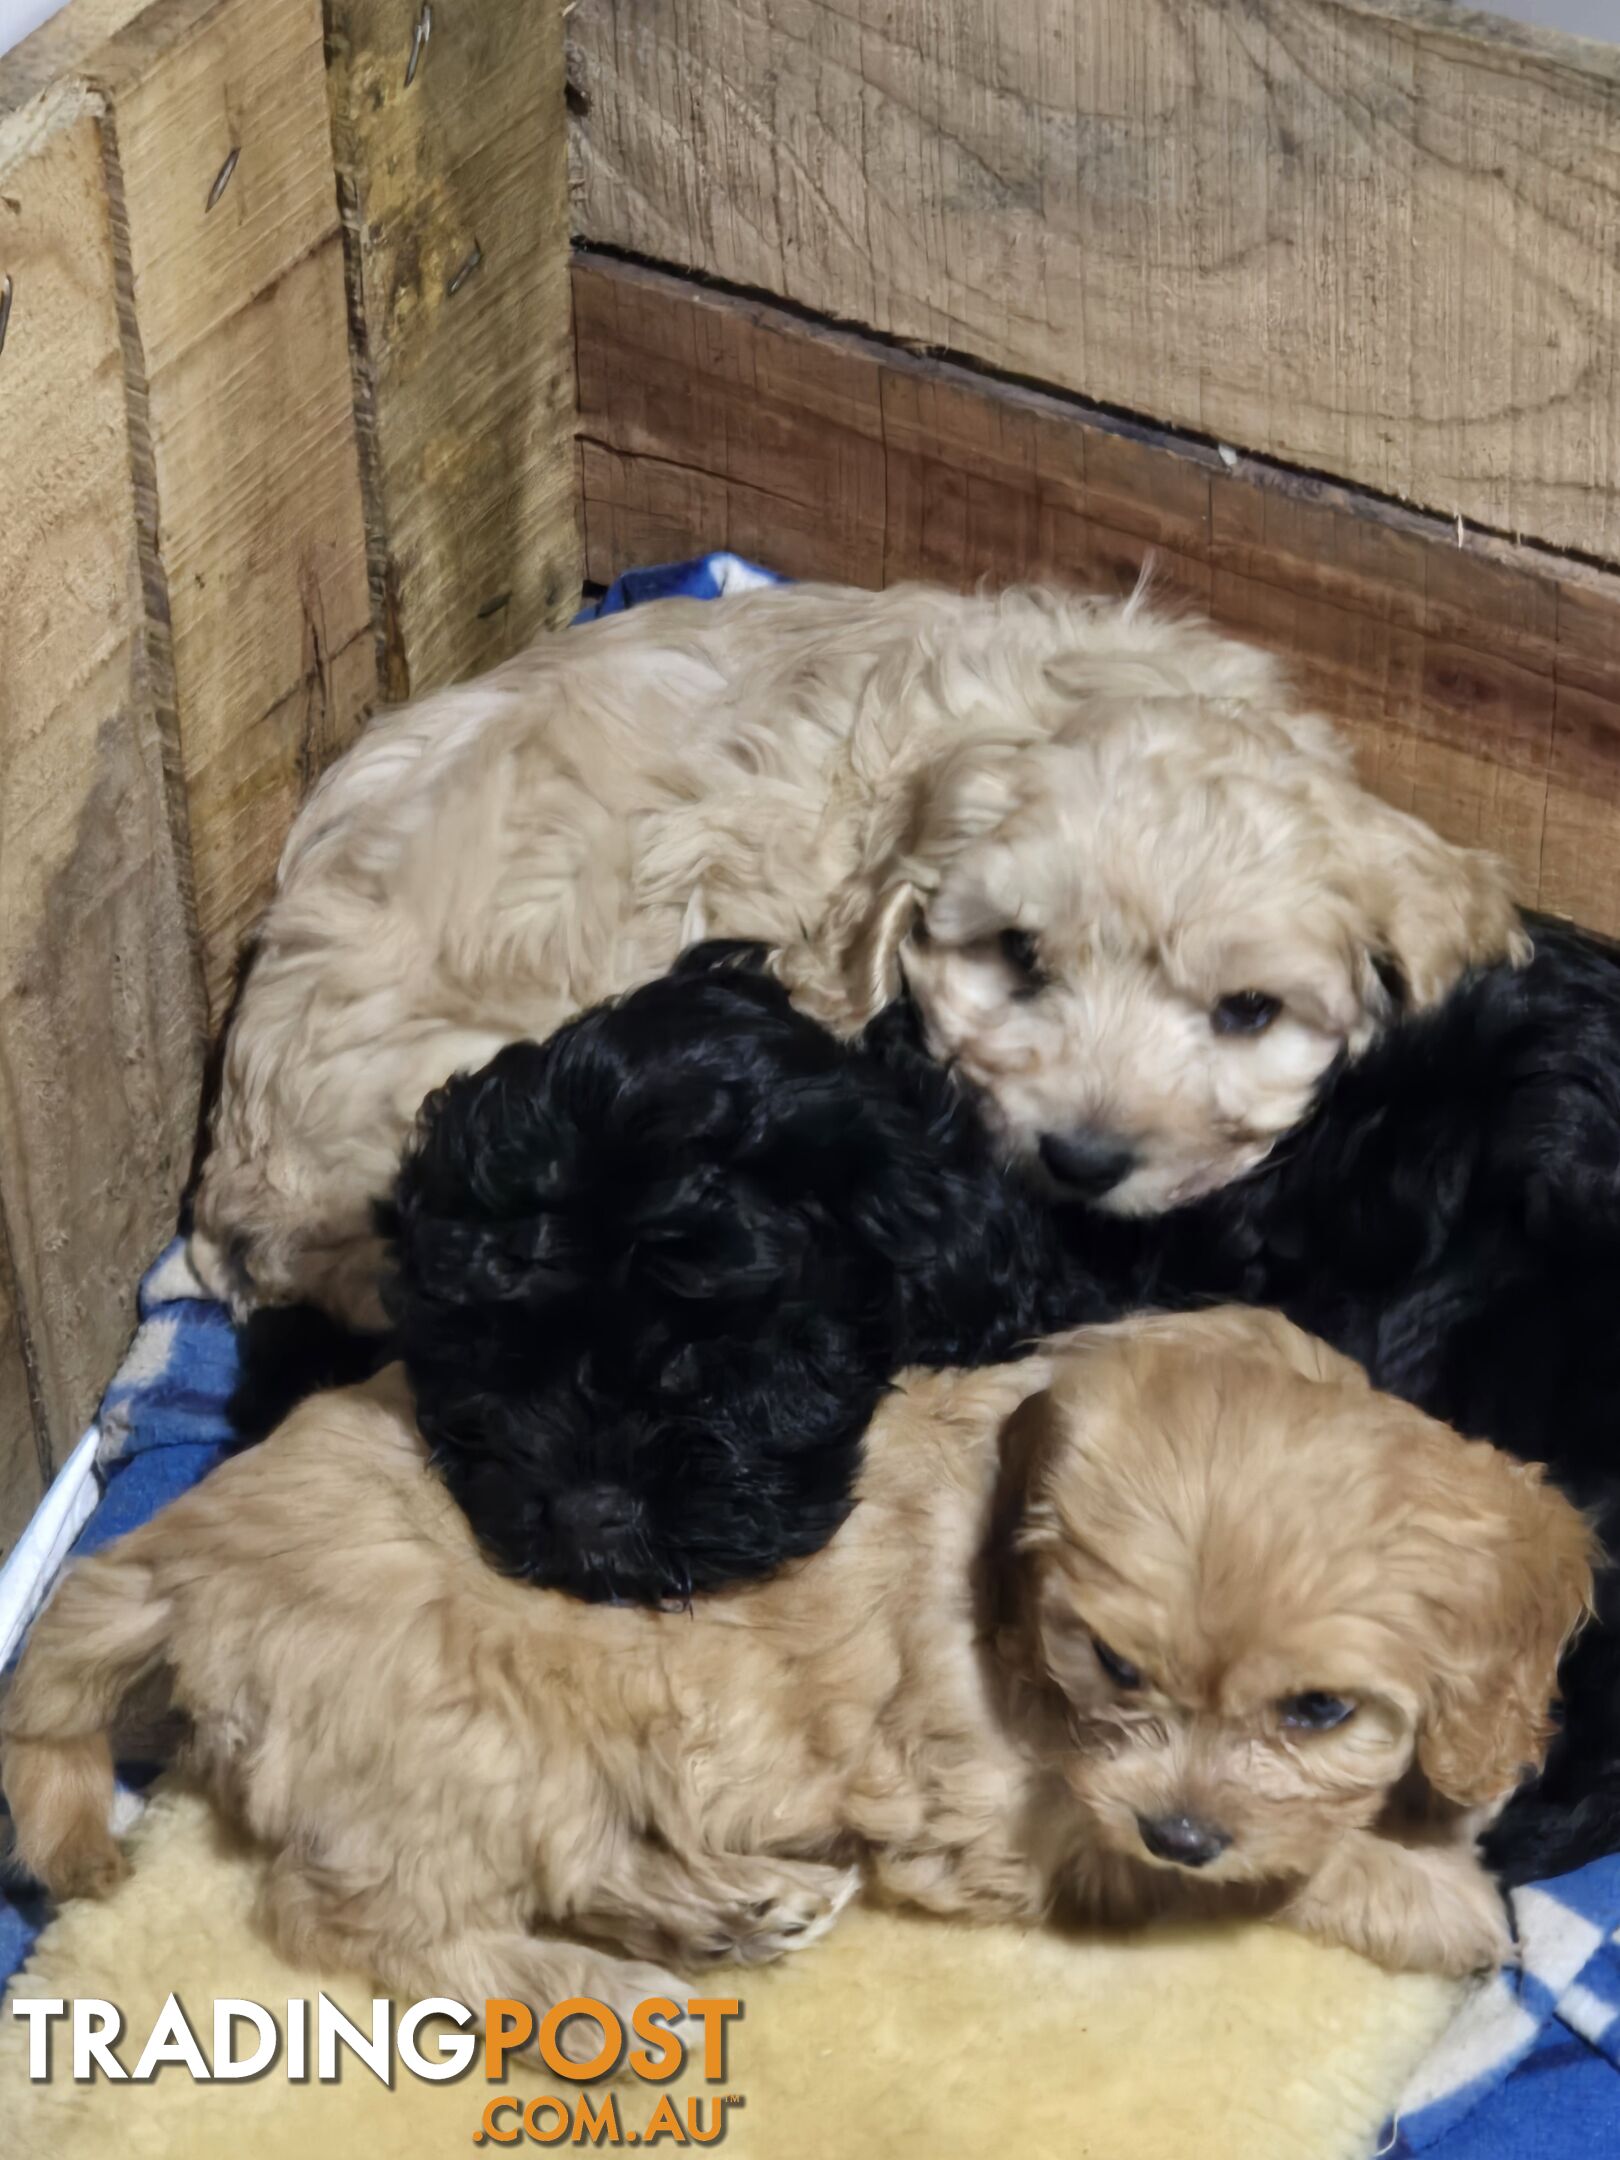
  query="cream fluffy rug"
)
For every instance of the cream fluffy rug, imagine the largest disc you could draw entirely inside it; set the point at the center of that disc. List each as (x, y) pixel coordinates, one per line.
(895, 2038)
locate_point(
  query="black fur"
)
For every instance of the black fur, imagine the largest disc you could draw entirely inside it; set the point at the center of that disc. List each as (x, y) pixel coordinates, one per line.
(286, 1352)
(1450, 1216)
(652, 1275)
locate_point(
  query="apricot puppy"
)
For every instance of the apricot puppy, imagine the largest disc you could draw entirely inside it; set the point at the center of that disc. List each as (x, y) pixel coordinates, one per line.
(1176, 1614)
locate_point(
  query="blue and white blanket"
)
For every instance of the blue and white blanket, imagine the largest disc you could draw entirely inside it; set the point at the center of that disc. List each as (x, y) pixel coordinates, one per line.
(1531, 2065)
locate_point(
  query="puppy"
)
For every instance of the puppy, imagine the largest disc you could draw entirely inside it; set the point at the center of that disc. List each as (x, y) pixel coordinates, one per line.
(1450, 1216)
(1178, 1615)
(1138, 898)
(649, 1279)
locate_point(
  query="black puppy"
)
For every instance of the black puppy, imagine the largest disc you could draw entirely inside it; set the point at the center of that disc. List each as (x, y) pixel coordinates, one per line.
(652, 1275)
(1450, 1216)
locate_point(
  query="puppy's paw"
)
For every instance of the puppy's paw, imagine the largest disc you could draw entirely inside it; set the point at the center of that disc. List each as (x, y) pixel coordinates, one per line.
(780, 1906)
(580, 2040)
(94, 1873)
(1481, 1941)
(1412, 1908)
(798, 1917)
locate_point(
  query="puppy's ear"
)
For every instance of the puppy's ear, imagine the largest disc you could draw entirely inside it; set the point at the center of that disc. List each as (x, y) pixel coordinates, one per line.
(1509, 1571)
(1024, 1525)
(848, 972)
(1042, 1525)
(1061, 1647)
(847, 967)
(1431, 910)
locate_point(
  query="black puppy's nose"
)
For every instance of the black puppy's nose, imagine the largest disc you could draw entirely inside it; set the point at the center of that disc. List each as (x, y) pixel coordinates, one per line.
(1182, 1838)
(1088, 1163)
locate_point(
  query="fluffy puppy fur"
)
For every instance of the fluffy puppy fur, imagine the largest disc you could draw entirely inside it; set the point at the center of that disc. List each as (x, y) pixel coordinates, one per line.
(1450, 1216)
(981, 796)
(649, 1278)
(1179, 1615)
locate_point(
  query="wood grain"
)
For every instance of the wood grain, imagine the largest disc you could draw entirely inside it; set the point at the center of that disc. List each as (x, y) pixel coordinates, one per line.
(192, 546)
(1478, 682)
(454, 192)
(1371, 239)
(100, 1009)
(240, 314)
(24, 1449)
(42, 80)
(255, 450)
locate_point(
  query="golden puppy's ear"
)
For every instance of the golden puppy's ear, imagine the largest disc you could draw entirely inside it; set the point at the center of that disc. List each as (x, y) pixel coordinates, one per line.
(851, 970)
(1026, 1532)
(847, 967)
(1061, 1647)
(1509, 1562)
(1432, 910)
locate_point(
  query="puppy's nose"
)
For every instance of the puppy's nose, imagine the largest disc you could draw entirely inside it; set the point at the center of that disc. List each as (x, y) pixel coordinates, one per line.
(1182, 1839)
(1088, 1163)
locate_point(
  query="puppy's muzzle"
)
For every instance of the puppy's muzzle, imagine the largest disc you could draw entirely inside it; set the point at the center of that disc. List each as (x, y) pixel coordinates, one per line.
(1087, 1164)
(1183, 1840)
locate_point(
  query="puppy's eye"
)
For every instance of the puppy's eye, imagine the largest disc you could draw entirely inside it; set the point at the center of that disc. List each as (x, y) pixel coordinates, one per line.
(1120, 1670)
(1023, 956)
(1315, 1712)
(1245, 1012)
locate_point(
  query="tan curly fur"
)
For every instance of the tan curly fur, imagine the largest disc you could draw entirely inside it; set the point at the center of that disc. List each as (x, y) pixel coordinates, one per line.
(467, 1786)
(879, 785)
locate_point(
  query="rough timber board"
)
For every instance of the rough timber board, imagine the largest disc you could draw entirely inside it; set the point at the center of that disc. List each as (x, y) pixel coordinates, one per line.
(241, 318)
(100, 1014)
(1477, 682)
(455, 200)
(186, 611)
(51, 59)
(1364, 237)
(22, 1470)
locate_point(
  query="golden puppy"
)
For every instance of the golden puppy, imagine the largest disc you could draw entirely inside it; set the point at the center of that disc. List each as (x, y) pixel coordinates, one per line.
(1179, 1613)
(1140, 900)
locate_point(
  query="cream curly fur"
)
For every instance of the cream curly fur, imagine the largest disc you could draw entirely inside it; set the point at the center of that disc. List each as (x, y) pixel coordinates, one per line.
(878, 784)
(454, 1776)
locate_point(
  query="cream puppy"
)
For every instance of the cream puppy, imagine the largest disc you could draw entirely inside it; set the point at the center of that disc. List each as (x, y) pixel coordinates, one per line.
(1138, 896)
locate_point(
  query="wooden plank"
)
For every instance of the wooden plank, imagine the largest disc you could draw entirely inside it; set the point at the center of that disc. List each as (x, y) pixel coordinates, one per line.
(241, 314)
(793, 434)
(22, 1471)
(454, 190)
(1374, 239)
(100, 1013)
(1478, 682)
(51, 60)
(188, 557)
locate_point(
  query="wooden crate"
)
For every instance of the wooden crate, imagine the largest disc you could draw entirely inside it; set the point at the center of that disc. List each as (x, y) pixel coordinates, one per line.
(286, 404)
(1318, 301)
(1373, 238)
(1478, 680)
